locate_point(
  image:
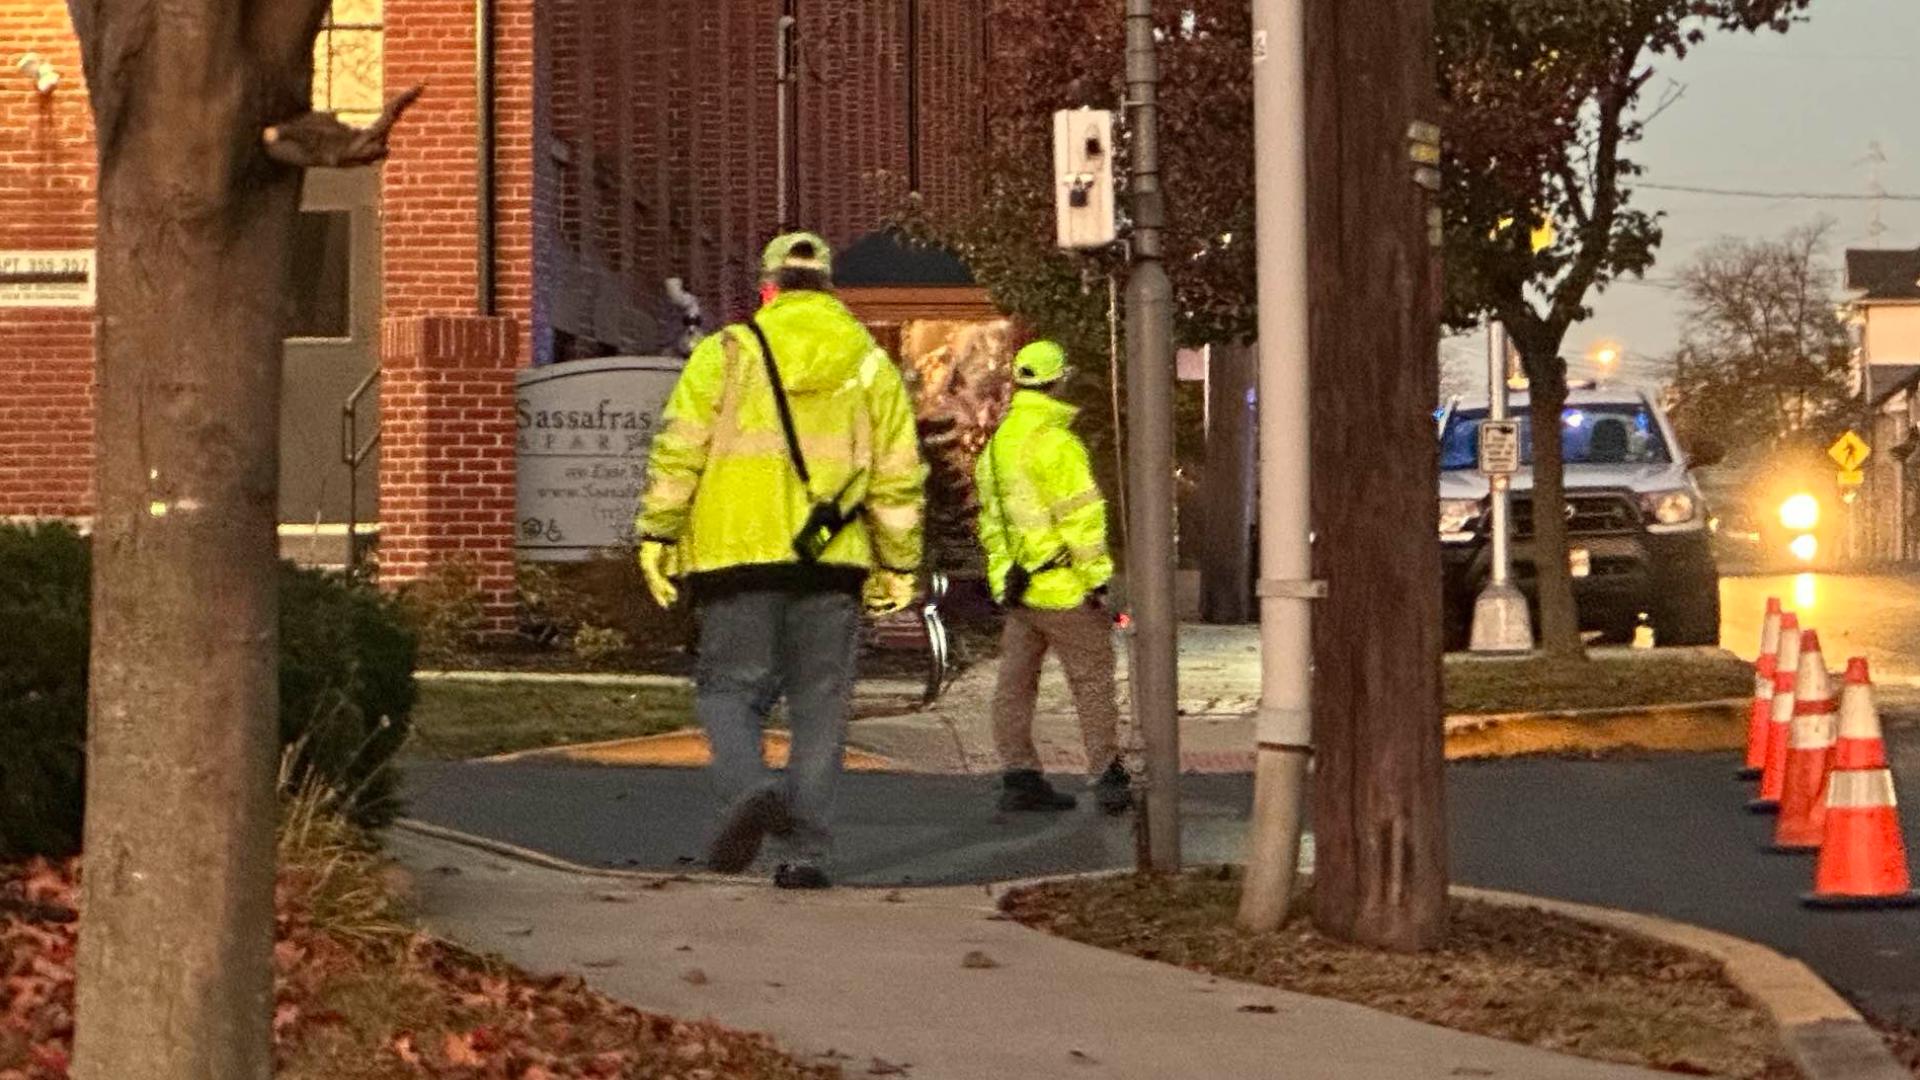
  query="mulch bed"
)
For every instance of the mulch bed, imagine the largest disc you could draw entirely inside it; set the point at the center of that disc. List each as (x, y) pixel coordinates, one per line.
(1520, 975)
(350, 1009)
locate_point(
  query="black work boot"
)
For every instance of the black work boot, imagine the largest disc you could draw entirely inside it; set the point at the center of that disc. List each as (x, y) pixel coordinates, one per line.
(1025, 790)
(800, 876)
(1114, 790)
(738, 841)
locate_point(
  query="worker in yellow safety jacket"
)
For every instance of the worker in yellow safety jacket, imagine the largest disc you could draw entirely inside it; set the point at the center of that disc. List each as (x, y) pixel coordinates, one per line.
(1043, 523)
(786, 485)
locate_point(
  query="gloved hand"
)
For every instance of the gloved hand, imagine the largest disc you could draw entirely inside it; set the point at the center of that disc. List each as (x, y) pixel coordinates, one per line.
(660, 564)
(888, 591)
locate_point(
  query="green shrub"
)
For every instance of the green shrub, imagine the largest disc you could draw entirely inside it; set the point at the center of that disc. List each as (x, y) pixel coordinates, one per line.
(445, 611)
(346, 689)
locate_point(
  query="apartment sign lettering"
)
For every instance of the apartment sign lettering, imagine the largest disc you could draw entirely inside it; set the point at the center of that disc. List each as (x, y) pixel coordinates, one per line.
(584, 430)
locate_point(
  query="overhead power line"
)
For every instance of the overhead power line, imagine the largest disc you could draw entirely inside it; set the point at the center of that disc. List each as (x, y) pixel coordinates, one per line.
(1811, 196)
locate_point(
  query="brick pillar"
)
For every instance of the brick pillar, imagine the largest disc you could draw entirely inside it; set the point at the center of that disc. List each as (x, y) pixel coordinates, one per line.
(447, 452)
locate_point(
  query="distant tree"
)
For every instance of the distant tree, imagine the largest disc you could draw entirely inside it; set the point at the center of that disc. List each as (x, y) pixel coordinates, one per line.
(1542, 101)
(1765, 354)
(1070, 54)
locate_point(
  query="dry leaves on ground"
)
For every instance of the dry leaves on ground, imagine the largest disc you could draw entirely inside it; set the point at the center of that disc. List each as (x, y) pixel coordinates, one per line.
(362, 1000)
(1521, 975)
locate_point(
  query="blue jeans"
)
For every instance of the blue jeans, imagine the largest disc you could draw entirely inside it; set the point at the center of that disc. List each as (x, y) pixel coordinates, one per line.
(756, 647)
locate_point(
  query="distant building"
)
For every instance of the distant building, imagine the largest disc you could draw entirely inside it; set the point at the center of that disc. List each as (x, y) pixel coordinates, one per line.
(1886, 306)
(623, 143)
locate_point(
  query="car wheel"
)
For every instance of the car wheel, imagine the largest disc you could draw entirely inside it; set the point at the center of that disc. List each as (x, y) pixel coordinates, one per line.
(1690, 617)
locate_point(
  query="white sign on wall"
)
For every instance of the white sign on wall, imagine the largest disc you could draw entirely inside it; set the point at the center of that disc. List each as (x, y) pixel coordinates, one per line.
(585, 427)
(46, 279)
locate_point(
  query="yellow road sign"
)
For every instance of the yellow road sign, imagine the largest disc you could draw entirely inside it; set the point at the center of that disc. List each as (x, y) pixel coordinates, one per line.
(1850, 451)
(1852, 478)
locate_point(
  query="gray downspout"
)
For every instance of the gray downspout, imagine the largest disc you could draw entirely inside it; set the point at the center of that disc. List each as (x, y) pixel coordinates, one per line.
(486, 272)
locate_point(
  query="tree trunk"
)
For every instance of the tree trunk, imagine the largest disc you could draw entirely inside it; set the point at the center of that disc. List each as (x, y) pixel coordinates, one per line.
(1226, 521)
(1380, 873)
(1553, 577)
(175, 978)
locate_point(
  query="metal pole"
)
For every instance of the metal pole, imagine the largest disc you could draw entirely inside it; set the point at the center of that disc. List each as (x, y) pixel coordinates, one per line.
(783, 118)
(1150, 575)
(1287, 591)
(1502, 487)
(1501, 621)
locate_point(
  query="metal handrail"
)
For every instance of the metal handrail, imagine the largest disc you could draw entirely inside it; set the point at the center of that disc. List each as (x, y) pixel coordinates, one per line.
(353, 454)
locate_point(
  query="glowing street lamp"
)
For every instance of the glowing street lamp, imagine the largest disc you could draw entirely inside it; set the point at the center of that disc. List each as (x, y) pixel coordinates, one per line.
(1606, 356)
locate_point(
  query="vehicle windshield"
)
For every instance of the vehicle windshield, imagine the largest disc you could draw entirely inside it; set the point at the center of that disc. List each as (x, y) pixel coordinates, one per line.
(1622, 434)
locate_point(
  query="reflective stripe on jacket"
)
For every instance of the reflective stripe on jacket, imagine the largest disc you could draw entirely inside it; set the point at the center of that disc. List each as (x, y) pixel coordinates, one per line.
(720, 480)
(1040, 504)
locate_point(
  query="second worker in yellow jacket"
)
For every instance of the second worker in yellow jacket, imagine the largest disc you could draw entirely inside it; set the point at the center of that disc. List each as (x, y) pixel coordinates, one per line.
(1043, 523)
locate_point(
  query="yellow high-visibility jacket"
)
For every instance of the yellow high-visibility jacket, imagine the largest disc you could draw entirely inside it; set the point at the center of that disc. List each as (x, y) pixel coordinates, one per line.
(1040, 504)
(721, 483)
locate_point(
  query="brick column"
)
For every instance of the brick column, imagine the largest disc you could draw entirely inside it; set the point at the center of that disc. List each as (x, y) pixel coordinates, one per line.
(447, 452)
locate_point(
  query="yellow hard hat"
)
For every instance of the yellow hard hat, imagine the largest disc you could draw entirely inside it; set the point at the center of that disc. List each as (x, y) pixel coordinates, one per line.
(1039, 364)
(797, 251)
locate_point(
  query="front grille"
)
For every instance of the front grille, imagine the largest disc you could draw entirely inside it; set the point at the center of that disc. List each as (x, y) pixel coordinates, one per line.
(1594, 514)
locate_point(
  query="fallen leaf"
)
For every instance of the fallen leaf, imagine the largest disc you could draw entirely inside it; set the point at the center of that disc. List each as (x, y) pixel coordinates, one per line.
(893, 897)
(601, 965)
(978, 961)
(519, 931)
(459, 1050)
(683, 948)
(614, 898)
(694, 976)
(883, 1067)
(1082, 1057)
(402, 1047)
(1264, 1009)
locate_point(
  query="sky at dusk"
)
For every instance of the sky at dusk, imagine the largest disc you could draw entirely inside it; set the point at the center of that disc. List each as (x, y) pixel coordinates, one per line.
(1799, 112)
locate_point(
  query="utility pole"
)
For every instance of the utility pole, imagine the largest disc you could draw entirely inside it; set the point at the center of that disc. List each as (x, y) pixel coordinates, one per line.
(1374, 235)
(1284, 734)
(1150, 559)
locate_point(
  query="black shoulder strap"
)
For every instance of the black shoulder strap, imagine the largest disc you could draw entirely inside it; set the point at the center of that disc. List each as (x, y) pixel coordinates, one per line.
(780, 403)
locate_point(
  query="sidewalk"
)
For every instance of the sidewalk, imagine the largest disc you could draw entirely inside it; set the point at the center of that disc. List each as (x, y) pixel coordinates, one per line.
(877, 979)
(1219, 692)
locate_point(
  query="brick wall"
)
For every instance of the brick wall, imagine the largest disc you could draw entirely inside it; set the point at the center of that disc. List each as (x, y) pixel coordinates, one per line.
(447, 389)
(46, 202)
(447, 451)
(656, 147)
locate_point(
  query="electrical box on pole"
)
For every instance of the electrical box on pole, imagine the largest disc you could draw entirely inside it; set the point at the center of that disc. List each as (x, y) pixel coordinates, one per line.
(1083, 178)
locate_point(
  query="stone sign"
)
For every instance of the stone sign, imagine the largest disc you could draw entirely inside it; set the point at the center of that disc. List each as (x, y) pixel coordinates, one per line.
(585, 427)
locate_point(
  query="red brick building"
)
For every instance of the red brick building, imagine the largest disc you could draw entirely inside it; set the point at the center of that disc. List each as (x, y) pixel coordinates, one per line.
(532, 211)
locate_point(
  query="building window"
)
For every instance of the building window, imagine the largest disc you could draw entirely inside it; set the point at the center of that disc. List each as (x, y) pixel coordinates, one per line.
(347, 61)
(322, 275)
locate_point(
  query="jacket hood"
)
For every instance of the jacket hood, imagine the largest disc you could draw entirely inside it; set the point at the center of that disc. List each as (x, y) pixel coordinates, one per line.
(817, 343)
(1037, 408)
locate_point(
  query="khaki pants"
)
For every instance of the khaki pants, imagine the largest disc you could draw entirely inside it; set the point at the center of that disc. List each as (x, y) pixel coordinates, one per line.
(1083, 639)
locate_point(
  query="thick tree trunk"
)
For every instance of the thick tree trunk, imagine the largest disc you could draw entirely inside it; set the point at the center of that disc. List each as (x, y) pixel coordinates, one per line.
(1380, 873)
(175, 967)
(1559, 620)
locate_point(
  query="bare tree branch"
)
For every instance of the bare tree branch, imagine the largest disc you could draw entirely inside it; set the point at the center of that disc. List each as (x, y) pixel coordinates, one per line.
(1575, 201)
(319, 140)
(1668, 99)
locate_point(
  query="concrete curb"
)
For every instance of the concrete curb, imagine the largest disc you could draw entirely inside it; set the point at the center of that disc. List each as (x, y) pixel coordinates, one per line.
(1826, 1037)
(1474, 721)
(544, 861)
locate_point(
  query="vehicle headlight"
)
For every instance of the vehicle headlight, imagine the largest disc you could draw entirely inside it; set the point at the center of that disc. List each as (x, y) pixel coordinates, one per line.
(1800, 513)
(1458, 518)
(1670, 507)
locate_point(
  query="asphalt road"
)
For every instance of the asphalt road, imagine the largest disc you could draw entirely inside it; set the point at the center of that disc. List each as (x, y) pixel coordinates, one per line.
(1662, 834)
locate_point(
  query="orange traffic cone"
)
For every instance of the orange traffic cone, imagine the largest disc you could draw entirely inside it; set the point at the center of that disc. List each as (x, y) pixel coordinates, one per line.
(1810, 739)
(1760, 717)
(1786, 677)
(1858, 743)
(1863, 858)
